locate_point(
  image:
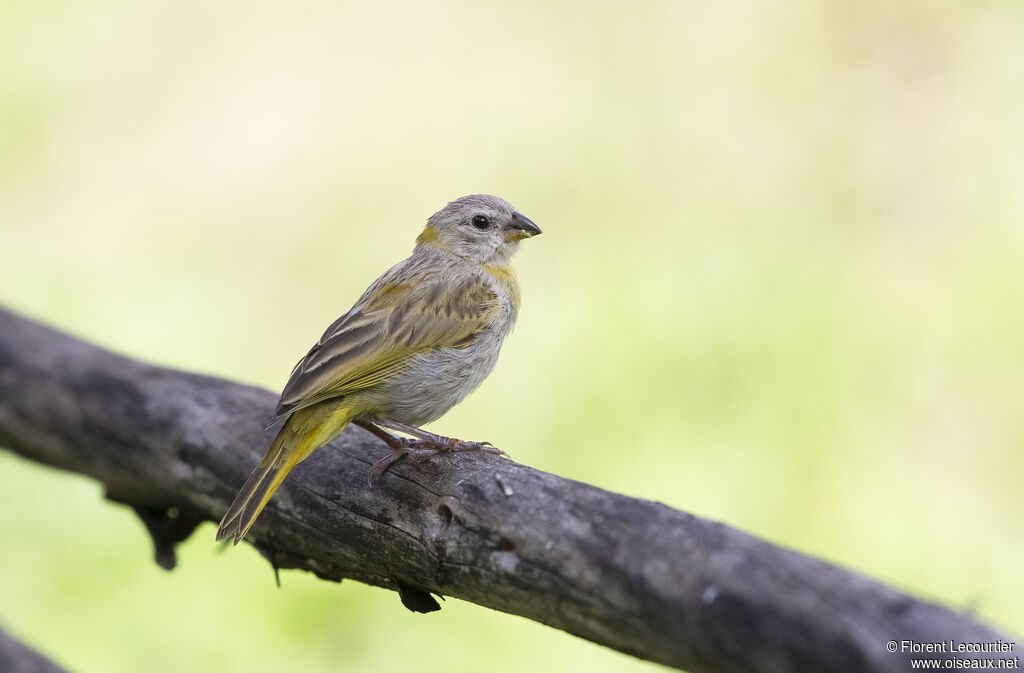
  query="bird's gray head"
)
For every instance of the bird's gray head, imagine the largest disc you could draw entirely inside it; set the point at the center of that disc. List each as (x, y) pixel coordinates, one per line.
(480, 227)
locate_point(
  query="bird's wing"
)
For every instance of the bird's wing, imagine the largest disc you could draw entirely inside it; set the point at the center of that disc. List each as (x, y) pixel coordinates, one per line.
(392, 323)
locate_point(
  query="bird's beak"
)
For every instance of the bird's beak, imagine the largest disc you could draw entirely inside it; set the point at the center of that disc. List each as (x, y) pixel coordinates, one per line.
(520, 227)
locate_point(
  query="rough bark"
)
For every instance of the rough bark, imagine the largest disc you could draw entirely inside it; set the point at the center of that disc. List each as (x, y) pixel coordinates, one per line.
(630, 574)
(17, 658)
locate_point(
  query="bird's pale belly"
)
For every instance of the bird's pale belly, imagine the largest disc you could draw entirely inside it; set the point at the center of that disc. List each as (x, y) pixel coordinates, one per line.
(435, 382)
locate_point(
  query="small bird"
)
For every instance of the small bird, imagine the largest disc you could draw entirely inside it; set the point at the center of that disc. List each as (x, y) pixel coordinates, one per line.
(422, 337)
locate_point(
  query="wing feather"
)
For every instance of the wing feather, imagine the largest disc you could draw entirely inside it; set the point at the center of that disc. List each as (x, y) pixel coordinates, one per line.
(391, 324)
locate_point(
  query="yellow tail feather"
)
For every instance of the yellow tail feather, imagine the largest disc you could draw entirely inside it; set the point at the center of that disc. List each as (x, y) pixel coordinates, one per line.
(305, 431)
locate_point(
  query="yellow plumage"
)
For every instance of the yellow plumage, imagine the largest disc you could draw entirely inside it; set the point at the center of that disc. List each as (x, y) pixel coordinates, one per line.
(419, 340)
(302, 433)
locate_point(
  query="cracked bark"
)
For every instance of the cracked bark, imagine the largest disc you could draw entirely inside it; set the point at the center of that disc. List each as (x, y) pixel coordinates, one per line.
(629, 574)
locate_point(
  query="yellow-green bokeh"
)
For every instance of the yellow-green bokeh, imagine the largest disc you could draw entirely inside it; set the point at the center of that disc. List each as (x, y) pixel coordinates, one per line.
(781, 282)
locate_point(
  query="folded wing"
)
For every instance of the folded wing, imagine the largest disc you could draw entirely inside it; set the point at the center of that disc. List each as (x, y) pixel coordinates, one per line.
(392, 323)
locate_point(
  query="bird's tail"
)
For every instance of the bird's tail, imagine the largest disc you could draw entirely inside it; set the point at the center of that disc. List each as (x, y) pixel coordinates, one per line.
(304, 431)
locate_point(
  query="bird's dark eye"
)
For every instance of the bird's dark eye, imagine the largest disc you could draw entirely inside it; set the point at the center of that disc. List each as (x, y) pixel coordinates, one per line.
(481, 222)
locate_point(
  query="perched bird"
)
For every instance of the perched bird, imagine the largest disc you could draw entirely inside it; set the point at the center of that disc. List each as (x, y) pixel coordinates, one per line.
(422, 337)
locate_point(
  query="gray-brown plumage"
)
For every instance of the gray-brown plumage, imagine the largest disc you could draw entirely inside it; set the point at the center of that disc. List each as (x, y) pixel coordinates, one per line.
(422, 337)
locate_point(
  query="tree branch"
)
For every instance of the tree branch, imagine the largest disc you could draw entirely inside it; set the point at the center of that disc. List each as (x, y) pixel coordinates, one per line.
(16, 658)
(629, 574)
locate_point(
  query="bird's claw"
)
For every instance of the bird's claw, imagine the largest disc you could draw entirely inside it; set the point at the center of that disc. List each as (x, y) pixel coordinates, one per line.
(489, 448)
(418, 449)
(483, 447)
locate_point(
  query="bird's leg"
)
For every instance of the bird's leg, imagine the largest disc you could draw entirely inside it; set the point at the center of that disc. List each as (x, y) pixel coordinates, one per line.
(412, 430)
(440, 443)
(395, 443)
(424, 445)
(400, 446)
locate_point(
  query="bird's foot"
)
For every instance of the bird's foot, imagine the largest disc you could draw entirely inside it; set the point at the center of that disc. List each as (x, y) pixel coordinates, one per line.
(418, 449)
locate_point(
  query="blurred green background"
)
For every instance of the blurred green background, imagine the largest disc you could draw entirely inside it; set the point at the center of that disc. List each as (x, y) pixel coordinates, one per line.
(781, 282)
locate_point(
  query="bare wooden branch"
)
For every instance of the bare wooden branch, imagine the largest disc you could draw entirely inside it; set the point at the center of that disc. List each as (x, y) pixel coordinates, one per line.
(630, 574)
(17, 658)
